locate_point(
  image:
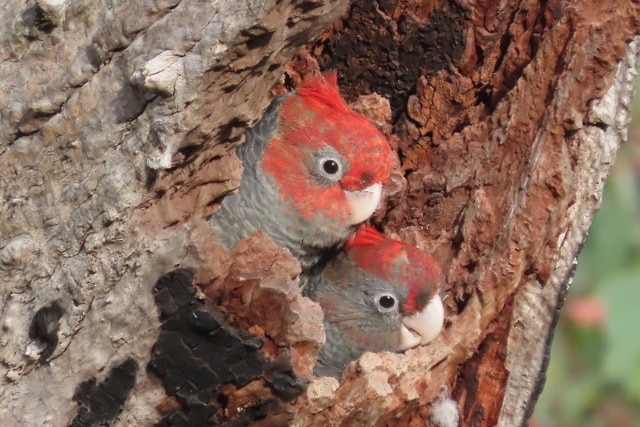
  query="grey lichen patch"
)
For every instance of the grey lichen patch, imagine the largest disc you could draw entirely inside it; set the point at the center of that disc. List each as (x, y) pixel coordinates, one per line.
(166, 143)
(161, 73)
(18, 251)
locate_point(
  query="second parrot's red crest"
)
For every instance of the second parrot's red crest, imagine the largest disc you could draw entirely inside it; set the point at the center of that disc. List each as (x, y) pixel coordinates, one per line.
(386, 258)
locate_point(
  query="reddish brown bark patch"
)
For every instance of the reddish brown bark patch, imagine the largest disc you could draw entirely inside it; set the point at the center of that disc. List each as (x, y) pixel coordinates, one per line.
(260, 293)
(480, 386)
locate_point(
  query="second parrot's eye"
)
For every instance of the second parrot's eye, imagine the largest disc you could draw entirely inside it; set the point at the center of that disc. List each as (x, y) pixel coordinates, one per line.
(386, 302)
(331, 167)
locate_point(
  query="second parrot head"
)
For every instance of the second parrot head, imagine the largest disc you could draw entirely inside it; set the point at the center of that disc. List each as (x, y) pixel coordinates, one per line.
(382, 294)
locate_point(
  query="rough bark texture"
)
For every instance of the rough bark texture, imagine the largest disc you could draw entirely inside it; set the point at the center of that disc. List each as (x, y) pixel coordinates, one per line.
(116, 128)
(117, 121)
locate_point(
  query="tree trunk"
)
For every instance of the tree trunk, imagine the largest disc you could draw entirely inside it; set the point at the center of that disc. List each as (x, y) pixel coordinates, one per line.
(118, 123)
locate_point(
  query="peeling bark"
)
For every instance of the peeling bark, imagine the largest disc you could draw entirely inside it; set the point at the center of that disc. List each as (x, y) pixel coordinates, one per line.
(117, 125)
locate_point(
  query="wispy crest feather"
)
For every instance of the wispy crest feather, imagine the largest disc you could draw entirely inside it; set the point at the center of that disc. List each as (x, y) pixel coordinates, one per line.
(323, 89)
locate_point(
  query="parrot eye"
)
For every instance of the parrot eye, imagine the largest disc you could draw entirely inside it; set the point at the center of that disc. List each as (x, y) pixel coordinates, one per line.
(330, 166)
(386, 302)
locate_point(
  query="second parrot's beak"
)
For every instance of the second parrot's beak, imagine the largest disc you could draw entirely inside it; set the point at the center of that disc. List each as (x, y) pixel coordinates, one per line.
(422, 327)
(363, 203)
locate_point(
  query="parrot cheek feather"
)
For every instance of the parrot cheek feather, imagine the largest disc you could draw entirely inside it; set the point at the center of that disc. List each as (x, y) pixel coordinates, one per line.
(363, 203)
(423, 326)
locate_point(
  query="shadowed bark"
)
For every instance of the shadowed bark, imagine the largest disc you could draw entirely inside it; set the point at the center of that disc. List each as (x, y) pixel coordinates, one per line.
(117, 126)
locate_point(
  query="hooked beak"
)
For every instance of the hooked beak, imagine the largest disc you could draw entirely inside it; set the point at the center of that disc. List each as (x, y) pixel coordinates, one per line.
(363, 203)
(424, 326)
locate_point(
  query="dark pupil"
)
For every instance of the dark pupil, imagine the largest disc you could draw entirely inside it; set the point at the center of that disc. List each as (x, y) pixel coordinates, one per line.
(386, 301)
(330, 167)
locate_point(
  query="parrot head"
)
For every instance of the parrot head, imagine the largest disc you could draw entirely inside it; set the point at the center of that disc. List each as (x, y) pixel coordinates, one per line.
(327, 162)
(378, 294)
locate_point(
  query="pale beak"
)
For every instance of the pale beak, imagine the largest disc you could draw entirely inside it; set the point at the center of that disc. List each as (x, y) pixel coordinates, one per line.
(363, 203)
(424, 326)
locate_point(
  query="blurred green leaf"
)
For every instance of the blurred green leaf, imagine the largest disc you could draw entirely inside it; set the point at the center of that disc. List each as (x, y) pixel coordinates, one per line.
(622, 356)
(613, 238)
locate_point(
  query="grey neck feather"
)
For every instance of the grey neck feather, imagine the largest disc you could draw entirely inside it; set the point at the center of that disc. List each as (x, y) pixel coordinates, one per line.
(338, 350)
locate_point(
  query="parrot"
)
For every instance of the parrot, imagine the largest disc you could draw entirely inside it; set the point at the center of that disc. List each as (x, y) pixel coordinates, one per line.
(377, 294)
(313, 170)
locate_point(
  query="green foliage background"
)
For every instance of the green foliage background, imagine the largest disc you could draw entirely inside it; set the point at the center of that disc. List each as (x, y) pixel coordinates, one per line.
(594, 374)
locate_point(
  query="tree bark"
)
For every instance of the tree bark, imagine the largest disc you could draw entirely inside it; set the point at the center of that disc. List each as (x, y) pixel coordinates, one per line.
(118, 123)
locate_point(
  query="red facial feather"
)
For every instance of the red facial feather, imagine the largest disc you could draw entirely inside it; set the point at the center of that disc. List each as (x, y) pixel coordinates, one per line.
(286, 165)
(316, 116)
(397, 262)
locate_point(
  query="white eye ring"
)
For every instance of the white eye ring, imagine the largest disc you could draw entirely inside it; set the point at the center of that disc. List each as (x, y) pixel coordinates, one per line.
(386, 302)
